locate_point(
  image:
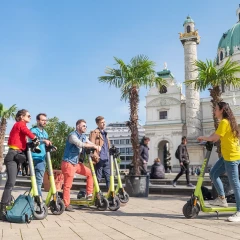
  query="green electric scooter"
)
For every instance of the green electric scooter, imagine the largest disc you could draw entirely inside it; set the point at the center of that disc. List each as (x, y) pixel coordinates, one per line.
(40, 208)
(196, 203)
(53, 201)
(120, 192)
(97, 199)
(114, 202)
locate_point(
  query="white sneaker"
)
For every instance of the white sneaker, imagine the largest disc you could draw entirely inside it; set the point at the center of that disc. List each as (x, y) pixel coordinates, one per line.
(235, 217)
(219, 202)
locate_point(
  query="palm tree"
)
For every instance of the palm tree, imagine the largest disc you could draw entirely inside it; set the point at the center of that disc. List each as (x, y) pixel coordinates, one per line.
(5, 115)
(129, 78)
(212, 78)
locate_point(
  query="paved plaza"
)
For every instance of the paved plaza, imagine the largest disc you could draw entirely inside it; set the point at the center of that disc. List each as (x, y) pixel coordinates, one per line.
(157, 217)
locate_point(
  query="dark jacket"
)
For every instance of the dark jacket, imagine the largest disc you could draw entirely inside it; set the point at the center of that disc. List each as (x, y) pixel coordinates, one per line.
(157, 171)
(143, 151)
(183, 153)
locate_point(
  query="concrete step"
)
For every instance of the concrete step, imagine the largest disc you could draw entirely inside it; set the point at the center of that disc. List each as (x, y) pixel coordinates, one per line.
(153, 188)
(166, 181)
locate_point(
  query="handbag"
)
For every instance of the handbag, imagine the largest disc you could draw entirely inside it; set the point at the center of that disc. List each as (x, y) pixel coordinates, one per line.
(20, 157)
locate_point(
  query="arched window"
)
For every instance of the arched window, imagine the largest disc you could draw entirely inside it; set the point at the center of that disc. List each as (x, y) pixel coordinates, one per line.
(188, 29)
(163, 89)
(221, 56)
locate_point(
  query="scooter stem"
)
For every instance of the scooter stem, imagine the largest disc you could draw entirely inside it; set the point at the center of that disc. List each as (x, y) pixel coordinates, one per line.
(34, 189)
(118, 175)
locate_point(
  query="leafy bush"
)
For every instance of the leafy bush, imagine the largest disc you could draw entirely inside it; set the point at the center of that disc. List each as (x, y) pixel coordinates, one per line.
(58, 132)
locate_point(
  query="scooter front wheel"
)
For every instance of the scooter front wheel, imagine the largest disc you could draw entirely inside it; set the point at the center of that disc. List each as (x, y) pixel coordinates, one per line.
(102, 205)
(57, 208)
(114, 204)
(190, 211)
(40, 214)
(124, 198)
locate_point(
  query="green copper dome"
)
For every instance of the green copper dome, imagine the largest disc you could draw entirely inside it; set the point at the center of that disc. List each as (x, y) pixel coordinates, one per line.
(188, 20)
(230, 39)
(165, 73)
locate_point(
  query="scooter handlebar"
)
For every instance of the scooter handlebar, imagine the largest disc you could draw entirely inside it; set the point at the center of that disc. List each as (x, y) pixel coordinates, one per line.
(89, 150)
(50, 148)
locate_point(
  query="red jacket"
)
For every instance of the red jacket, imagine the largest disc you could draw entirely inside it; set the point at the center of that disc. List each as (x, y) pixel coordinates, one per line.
(18, 136)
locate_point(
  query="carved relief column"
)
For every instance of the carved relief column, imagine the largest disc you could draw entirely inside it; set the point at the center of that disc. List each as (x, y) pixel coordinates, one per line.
(193, 117)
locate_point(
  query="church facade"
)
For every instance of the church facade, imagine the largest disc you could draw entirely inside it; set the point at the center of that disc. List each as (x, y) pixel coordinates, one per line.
(171, 115)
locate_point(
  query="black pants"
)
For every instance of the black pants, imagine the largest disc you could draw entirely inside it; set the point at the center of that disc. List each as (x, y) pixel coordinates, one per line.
(12, 170)
(184, 168)
(103, 167)
(143, 168)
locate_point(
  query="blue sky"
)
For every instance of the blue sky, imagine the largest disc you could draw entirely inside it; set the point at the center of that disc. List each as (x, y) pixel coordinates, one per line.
(52, 52)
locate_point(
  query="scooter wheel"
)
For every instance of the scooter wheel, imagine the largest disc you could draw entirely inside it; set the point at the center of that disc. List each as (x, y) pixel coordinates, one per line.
(40, 215)
(103, 205)
(114, 206)
(60, 207)
(190, 211)
(124, 198)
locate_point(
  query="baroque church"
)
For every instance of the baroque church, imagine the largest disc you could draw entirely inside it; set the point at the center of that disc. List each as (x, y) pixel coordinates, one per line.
(171, 115)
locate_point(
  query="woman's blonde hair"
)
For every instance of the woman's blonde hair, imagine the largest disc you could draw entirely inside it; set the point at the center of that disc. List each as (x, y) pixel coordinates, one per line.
(156, 160)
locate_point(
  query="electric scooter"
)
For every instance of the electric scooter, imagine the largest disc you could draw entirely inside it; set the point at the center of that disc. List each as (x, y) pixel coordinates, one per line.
(114, 202)
(120, 192)
(196, 203)
(40, 208)
(56, 205)
(97, 199)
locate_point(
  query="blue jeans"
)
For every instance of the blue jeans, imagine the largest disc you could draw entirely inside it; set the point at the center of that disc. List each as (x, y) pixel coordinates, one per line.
(222, 166)
(217, 170)
(233, 177)
(39, 167)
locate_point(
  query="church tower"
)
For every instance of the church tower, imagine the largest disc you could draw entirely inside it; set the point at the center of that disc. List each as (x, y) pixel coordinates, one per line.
(189, 40)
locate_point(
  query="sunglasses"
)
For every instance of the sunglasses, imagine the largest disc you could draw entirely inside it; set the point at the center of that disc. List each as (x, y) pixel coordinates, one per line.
(84, 126)
(29, 116)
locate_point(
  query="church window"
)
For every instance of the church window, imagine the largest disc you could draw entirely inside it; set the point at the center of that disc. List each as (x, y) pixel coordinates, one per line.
(163, 89)
(163, 115)
(188, 29)
(221, 56)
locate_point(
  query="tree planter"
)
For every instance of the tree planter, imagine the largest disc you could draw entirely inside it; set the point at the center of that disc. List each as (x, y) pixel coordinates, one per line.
(137, 186)
(58, 177)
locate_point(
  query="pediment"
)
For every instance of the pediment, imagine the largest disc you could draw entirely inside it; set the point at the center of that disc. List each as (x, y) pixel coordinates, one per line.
(166, 101)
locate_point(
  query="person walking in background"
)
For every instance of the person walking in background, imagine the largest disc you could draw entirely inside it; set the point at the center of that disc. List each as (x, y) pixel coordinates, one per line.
(157, 170)
(183, 157)
(144, 155)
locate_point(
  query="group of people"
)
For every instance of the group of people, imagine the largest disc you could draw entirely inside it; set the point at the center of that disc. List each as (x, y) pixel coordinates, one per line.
(77, 141)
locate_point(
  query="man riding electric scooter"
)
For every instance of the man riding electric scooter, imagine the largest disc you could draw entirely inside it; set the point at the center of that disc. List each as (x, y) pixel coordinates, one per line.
(76, 141)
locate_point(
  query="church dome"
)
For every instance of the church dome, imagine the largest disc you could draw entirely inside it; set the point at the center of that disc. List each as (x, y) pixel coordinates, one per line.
(230, 39)
(229, 43)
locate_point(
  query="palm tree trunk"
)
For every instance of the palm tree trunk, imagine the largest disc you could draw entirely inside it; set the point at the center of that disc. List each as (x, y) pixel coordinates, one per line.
(216, 93)
(133, 126)
(3, 127)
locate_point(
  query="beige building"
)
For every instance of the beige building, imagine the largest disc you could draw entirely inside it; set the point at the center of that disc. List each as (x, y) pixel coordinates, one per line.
(171, 115)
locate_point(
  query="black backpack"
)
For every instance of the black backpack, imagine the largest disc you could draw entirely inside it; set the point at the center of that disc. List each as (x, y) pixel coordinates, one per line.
(177, 153)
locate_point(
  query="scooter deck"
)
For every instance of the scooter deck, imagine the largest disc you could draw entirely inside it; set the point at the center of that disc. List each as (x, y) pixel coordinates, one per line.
(210, 208)
(81, 201)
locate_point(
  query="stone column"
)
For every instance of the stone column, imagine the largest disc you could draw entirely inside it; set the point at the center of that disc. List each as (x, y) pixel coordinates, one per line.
(193, 117)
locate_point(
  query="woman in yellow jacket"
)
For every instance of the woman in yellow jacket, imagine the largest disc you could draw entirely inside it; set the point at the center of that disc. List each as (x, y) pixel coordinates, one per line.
(228, 133)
